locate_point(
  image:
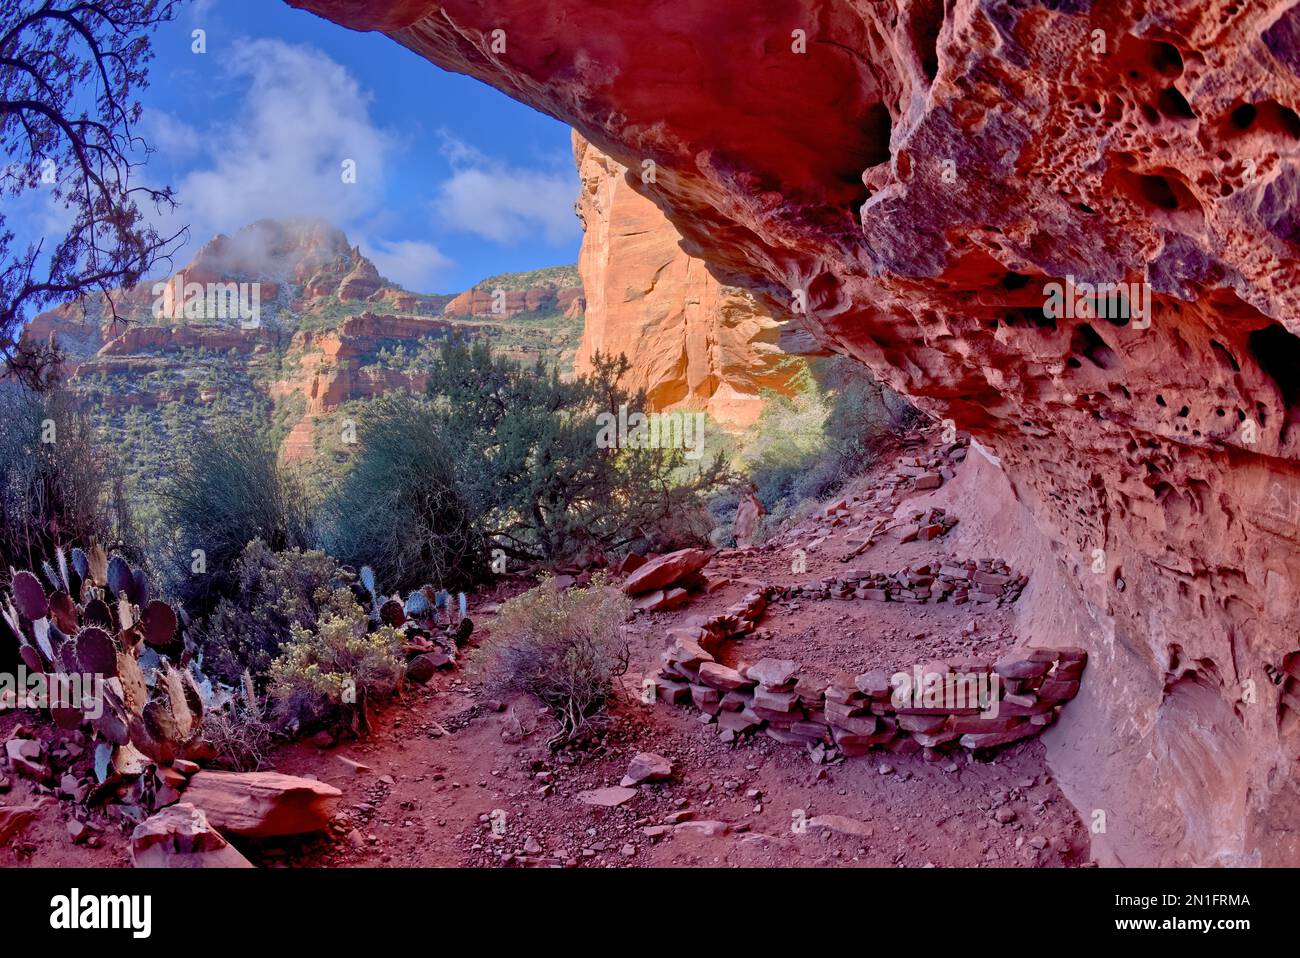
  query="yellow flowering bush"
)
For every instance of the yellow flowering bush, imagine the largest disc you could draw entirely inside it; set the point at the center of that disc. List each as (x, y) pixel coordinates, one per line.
(337, 668)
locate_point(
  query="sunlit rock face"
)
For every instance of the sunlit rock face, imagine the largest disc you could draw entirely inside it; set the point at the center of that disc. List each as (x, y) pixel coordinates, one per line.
(692, 342)
(916, 173)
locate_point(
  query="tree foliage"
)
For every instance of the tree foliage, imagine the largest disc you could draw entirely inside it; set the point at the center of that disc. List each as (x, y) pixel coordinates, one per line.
(59, 486)
(69, 71)
(530, 463)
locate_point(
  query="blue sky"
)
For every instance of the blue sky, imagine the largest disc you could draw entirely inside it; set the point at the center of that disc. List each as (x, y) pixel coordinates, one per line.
(454, 182)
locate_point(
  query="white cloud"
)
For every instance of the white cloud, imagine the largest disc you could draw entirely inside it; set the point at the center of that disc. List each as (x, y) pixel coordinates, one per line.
(168, 134)
(201, 9)
(506, 204)
(281, 153)
(415, 265)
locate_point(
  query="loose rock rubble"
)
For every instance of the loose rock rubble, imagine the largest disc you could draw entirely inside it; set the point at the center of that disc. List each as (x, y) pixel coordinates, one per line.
(995, 703)
(667, 581)
(956, 580)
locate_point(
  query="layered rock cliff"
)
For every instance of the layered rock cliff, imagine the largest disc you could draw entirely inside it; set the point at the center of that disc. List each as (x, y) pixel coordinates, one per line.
(330, 367)
(913, 175)
(330, 332)
(692, 342)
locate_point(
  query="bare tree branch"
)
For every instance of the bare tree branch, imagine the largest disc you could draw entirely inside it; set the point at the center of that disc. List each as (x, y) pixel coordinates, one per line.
(68, 74)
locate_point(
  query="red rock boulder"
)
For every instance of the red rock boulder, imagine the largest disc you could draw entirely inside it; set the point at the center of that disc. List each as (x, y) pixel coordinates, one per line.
(180, 836)
(262, 804)
(666, 571)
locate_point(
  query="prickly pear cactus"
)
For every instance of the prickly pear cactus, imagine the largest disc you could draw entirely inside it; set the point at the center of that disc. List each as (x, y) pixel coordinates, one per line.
(96, 652)
(99, 620)
(418, 606)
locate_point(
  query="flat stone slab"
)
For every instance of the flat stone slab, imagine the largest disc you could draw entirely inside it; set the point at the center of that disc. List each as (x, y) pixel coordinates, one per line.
(262, 804)
(610, 797)
(774, 673)
(842, 824)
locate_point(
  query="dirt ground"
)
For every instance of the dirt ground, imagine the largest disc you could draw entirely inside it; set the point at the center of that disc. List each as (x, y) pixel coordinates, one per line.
(452, 777)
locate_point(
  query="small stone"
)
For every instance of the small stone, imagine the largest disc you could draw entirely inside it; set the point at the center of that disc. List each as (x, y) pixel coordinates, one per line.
(647, 767)
(78, 831)
(1004, 815)
(69, 787)
(709, 829)
(25, 758)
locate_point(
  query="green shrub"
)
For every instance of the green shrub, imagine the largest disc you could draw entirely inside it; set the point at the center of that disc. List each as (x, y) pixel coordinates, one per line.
(226, 489)
(400, 509)
(58, 483)
(529, 463)
(336, 669)
(566, 647)
(272, 592)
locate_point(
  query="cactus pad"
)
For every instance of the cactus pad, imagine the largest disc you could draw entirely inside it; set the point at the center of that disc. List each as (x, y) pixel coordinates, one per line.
(120, 579)
(96, 612)
(159, 622)
(80, 564)
(96, 652)
(29, 597)
(390, 613)
(418, 606)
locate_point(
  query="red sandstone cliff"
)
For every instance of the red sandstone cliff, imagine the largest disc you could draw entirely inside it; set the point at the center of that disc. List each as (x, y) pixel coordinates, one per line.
(328, 368)
(692, 341)
(917, 171)
(307, 273)
(481, 301)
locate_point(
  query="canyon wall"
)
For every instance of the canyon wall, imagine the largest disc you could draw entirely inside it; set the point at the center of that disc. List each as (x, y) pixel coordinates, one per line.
(693, 342)
(913, 175)
(482, 302)
(331, 331)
